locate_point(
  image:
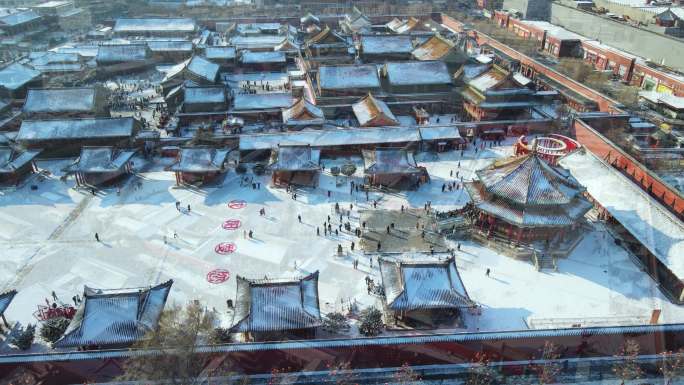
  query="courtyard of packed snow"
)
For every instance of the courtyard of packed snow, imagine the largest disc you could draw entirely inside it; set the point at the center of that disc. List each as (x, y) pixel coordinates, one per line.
(48, 242)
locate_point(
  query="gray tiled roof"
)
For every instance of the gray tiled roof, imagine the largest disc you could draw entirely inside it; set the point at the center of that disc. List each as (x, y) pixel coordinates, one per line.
(60, 100)
(349, 76)
(418, 73)
(200, 159)
(34, 130)
(11, 160)
(266, 306)
(5, 299)
(16, 75)
(295, 157)
(389, 161)
(115, 318)
(101, 159)
(419, 285)
(155, 25)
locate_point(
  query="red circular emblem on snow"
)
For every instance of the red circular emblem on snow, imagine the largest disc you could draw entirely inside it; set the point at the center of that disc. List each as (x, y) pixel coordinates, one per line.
(237, 204)
(218, 276)
(225, 248)
(231, 224)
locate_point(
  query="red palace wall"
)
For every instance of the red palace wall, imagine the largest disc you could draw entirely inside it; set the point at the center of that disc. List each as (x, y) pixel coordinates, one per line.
(363, 353)
(637, 172)
(605, 104)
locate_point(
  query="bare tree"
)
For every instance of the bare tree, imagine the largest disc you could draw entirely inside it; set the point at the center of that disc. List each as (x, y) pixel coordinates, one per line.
(180, 331)
(480, 371)
(627, 368)
(671, 365)
(341, 373)
(549, 368)
(405, 375)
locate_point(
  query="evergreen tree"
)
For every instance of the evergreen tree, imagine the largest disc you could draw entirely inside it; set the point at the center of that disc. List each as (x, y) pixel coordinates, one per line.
(24, 338)
(54, 328)
(371, 322)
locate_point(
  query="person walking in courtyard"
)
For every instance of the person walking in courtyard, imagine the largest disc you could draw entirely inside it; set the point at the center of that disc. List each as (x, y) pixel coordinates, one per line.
(97, 237)
(300, 218)
(352, 246)
(188, 209)
(487, 272)
(318, 231)
(250, 234)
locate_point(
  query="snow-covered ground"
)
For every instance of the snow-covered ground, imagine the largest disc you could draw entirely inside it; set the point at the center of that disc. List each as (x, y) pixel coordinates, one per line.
(48, 243)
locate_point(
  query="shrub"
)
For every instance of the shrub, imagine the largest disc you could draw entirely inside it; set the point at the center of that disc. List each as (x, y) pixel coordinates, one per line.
(371, 322)
(348, 169)
(220, 335)
(53, 329)
(24, 338)
(335, 171)
(335, 322)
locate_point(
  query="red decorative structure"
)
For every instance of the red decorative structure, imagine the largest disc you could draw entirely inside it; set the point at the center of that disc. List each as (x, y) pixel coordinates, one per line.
(549, 148)
(224, 248)
(237, 204)
(231, 224)
(45, 313)
(217, 276)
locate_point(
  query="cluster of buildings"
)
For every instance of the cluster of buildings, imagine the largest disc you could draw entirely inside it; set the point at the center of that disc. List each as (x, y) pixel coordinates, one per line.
(286, 95)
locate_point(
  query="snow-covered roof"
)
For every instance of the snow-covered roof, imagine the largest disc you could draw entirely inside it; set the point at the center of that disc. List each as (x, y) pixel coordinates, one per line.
(121, 53)
(170, 45)
(200, 159)
(203, 68)
(5, 299)
(100, 159)
(152, 25)
(386, 44)
(36, 130)
(295, 158)
(372, 112)
(420, 285)
(205, 95)
(16, 75)
(554, 30)
(527, 191)
(349, 76)
(487, 80)
(87, 51)
(115, 318)
(646, 219)
(403, 26)
(606, 47)
(326, 35)
(309, 18)
(521, 79)
(675, 102)
(303, 113)
(248, 28)
(417, 72)
(256, 42)
(439, 133)
(389, 161)
(267, 306)
(252, 57)
(18, 18)
(246, 102)
(11, 160)
(223, 53)
(434, 48)
(81, 99)
(333, 137)
(529, 180)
